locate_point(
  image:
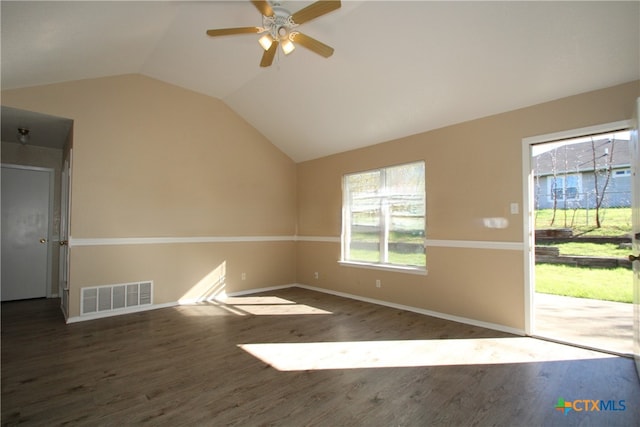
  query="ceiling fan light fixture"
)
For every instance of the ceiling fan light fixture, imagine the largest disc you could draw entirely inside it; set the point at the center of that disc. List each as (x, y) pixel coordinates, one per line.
(266, 41)
(23, 135)
(279, 28)
(287, 46)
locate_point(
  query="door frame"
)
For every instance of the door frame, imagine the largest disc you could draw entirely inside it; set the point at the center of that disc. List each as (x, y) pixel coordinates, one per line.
(65, 224)
(635, 239)
(528, 206)
(51, 175)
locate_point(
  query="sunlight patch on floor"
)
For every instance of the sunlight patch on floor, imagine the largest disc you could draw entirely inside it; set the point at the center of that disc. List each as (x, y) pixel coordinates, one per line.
(222, 304)
(280, 310)
(268, 306)
(413, 353)
(254, 300)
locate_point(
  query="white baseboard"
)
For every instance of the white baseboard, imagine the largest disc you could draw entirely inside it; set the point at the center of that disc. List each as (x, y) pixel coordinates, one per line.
(111, 313)
(221, 297)
(258, 290)
(137, 309)
(439, 315)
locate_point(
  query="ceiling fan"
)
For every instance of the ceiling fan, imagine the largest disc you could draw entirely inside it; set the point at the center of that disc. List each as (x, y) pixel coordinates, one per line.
(279, 28)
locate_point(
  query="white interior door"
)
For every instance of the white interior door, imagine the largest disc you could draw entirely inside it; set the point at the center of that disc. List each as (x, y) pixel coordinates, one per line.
(26, 213)
(635, 232)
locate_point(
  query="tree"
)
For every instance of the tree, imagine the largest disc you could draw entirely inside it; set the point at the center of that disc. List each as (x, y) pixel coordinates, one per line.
(554, 192)
(604, 172)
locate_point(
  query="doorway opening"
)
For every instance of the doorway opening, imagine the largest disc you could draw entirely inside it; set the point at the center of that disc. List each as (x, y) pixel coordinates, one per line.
(47, 147)
(579, 193)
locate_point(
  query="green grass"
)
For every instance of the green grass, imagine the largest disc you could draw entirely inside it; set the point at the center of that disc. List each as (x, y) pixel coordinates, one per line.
(581, 282)
(411, 236)
(394, 257)
(613, 284)
(614, 221)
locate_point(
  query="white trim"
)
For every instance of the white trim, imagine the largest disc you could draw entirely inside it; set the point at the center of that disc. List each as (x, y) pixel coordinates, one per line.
(528, 234)
(626, 172)
(64, 228)
(258, 290)
(128, 310)
(442, 243)
(326, 239)
(473, 322)
(52, 179)
(385, 267)
(563, 177)
(137, 309)
(444, 316)
(577, 133)
(223, 295)
(27, 167)
(110, 241)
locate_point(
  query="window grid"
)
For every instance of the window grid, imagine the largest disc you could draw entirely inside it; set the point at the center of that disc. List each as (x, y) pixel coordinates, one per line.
(383, 203)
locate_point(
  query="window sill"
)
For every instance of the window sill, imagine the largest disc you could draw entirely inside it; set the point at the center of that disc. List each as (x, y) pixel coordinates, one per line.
(395, 268)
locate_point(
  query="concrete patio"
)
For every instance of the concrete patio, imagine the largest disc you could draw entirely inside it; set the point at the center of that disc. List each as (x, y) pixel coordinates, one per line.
(596, 324)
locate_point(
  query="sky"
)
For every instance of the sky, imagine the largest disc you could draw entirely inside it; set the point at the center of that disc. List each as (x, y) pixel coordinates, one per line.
(544, 147)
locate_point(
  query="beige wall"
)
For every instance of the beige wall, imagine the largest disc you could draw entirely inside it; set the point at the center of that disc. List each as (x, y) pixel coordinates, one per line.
(155, 160)
(29, 155)
(187, 270)
(473, 171)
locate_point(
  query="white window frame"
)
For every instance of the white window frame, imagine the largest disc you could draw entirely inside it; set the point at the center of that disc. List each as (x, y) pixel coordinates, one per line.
(384, 227)
(563, 177)
(621, 173)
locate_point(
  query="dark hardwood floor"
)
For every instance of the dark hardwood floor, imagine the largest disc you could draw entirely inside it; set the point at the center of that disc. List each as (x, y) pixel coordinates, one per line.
(296, 357)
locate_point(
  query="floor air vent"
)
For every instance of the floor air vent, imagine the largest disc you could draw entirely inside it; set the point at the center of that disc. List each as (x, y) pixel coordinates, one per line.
(101, 299)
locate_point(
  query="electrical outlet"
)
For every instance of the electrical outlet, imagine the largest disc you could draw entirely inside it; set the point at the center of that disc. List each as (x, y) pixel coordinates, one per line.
(243, 276)
(316, 275)
(378, 284)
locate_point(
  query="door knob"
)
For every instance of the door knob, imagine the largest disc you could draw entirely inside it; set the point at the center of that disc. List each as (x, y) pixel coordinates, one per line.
(64, 242)
(634, 258)
(43, 240)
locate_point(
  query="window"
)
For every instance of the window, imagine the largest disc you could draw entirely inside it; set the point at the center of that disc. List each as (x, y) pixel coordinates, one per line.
(565, 187)
(622, 172)
(384, 217)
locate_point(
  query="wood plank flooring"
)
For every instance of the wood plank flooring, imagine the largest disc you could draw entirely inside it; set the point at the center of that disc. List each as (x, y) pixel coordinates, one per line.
(295, 357)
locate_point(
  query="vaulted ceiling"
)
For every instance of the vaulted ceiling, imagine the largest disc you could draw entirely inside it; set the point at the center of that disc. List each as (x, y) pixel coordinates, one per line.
(399, 68)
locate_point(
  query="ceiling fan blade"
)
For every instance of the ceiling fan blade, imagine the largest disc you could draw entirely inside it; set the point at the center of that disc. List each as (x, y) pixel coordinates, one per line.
(314, 10)
(267, 57)
(263, 6)
(313, 45)
(231, 31)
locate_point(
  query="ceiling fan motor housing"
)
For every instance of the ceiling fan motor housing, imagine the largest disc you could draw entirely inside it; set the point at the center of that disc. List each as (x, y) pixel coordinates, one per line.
(280, 24)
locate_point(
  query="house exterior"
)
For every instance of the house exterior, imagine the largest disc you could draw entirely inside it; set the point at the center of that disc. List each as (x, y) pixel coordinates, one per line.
(577, 175)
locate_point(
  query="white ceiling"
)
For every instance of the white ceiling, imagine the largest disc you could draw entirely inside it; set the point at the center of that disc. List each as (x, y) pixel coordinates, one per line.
(399, 68)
